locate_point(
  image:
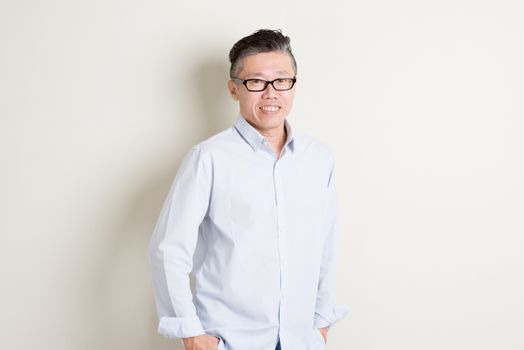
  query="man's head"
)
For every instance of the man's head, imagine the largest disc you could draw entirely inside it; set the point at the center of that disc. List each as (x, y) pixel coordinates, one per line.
(260, 57)
(263, 40)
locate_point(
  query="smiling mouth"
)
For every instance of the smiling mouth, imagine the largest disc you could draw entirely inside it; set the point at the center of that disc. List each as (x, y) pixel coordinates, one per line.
(270, 108)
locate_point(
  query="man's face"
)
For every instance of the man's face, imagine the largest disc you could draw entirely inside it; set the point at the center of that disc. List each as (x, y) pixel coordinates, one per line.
(265, 110)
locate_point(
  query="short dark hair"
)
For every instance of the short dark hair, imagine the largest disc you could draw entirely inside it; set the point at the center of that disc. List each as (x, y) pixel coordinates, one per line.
(263, 40)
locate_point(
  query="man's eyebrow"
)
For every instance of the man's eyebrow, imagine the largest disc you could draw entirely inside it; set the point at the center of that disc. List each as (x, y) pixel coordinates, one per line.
(257, 74)
(283, 72)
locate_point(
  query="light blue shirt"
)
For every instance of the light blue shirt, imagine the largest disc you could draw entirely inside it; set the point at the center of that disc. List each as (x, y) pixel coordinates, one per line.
(258, 233)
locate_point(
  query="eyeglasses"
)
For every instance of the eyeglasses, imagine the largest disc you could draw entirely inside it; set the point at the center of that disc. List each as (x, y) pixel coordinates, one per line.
(257, 85)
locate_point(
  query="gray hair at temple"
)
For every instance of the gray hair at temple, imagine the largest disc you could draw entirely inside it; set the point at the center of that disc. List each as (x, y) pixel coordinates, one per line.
(263, 40)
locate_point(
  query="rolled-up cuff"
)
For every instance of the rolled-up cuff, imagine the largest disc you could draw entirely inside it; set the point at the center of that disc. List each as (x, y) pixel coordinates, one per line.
(180, 327)
(328, 316)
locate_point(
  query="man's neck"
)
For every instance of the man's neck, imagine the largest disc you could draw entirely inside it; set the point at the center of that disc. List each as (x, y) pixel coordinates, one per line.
(276, 137)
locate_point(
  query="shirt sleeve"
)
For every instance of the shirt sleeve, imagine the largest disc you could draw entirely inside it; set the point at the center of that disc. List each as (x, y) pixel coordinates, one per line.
(173, 243)
(327, 312)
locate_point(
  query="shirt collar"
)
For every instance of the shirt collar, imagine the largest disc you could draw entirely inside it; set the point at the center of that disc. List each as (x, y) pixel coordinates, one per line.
(256, 140)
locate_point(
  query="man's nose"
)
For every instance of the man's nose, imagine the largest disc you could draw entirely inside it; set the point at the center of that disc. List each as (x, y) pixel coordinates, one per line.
(269, 91)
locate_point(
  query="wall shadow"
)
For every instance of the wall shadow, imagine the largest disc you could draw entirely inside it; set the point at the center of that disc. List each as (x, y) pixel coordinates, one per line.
(118, 315)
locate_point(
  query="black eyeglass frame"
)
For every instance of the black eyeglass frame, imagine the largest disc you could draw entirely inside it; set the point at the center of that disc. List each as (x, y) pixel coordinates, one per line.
(266, 82)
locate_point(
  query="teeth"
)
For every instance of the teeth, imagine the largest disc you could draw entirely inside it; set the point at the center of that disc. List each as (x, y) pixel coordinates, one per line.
(269, 108)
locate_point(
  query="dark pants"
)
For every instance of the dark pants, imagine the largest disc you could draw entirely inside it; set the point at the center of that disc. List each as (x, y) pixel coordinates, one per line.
(278, 345)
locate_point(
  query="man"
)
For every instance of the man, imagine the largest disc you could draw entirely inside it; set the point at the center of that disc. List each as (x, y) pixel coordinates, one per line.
(252, 215)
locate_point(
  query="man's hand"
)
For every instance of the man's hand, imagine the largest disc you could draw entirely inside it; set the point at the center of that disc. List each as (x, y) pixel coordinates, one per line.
(201, 342)
(324, 332)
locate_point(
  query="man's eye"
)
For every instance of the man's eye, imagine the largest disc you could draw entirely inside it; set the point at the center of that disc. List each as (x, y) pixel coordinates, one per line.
(257, 81)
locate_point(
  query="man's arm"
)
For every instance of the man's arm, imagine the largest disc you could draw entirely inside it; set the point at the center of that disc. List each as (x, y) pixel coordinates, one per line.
(173, 243)
(327, 313)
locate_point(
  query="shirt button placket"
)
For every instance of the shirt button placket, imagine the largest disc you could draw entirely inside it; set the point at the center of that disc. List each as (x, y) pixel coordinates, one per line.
(281, 244)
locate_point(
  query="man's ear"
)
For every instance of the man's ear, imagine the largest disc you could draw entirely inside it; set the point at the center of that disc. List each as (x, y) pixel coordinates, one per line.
(233, 89)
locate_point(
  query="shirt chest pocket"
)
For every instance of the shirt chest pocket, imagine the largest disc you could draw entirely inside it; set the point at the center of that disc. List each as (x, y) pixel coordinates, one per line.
(240, 203)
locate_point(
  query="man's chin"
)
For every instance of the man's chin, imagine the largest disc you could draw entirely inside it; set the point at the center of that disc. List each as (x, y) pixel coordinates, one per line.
(271, 121)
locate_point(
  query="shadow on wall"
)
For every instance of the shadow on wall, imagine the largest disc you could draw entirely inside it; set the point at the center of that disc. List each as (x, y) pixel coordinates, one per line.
(218, 110)
(124, 297)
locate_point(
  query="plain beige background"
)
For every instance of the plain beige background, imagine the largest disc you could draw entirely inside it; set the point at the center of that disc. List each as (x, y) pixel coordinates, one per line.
(421, 102)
